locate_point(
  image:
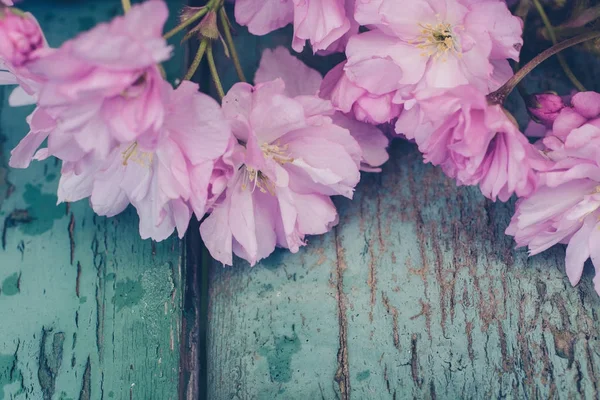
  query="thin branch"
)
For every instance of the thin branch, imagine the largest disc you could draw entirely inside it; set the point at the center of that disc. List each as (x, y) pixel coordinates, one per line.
(197, 59)
(213, 72)
(230, 44)
(500, 95)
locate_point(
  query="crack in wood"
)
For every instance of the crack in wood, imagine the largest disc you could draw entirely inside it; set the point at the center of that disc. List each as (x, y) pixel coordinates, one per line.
(71, 237)
(342, 375)
(86, 386)
(50, 361)
(414, 361)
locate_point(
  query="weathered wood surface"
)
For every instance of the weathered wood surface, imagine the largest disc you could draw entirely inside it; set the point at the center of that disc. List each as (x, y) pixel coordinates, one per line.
(416, 294)
(88, 310)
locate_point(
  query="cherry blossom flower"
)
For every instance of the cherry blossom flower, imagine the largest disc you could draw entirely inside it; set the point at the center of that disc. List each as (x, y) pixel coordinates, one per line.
(565, 208)
(476, 143)
(428, 44)
(326, 24)
(165, 183)
(300, 80)
(103, 88)
(293, 159)
(7, 2)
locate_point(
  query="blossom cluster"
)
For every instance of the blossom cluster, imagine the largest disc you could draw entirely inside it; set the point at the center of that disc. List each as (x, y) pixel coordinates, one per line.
(263, 165)
(260, 168)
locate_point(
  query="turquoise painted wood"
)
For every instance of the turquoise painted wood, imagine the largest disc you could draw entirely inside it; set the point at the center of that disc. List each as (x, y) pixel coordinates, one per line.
(416, 294)
(88, 310)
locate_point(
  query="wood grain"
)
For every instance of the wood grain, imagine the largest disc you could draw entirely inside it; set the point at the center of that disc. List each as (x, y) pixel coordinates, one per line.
(417, 294)
(89, 310)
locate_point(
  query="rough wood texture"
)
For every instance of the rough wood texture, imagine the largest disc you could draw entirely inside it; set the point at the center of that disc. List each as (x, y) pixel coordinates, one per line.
(89, 311)
(417, 294)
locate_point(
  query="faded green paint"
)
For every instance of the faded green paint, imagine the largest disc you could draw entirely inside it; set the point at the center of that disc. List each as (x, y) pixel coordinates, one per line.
(9, 373)
(42, 209)
(361, 376)
(69, 338)
(11, 285)
(266, 288)
(279, 357)
(128, 293)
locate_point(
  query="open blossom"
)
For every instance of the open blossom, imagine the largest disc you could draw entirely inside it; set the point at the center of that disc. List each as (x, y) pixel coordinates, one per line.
(476, 143)
(293, 159)
(103, 88)
(21, 41)
(566, 206)
(373, 107)
(326, 24)
(300, 80)
(427, 44)
(165, 183)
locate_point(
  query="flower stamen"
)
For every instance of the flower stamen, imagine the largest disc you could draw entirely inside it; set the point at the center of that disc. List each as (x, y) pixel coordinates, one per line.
(132, 153)
(437, 40)
(256, 179)
(277, 153)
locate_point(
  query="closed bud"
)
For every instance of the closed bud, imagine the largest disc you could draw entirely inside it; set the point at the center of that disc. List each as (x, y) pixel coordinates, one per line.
(545, 107)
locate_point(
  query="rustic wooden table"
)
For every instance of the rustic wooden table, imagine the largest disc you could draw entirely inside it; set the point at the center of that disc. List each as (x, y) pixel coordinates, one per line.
(417, 293)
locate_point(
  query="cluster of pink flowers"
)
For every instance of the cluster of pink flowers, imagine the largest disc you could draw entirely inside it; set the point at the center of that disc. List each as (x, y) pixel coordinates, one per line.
(265, 163)
(427, 66)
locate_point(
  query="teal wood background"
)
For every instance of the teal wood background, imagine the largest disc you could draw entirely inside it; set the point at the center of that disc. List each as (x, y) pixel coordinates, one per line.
(416, 294)
(88, 310)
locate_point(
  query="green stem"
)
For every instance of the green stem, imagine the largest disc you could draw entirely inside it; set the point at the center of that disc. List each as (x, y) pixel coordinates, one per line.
(561, 59)
(197, 59)
(500, 95)
(202, 12)
(230, 44)
(126, 5)
(213, 72)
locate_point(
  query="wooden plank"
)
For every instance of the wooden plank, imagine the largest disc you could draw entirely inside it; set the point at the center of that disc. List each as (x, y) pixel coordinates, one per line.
(416, 294)
(89, 310)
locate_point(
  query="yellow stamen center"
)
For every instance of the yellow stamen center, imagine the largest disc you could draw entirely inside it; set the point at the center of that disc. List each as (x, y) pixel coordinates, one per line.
(256, 179)
(437, 40)
(133, 153)
(276, 153)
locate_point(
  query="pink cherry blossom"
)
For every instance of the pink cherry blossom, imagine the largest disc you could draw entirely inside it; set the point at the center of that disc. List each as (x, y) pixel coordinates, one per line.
(474, 142)
(165, 183)
(326, 24)
(378, 107)
(300, 80)
(7, 2)
(293, 159)
(423, 45)
(103, 87)
(565, 208)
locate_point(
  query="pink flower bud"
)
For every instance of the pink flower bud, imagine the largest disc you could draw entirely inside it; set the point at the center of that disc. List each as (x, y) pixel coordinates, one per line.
(20, 37)
(545, 107)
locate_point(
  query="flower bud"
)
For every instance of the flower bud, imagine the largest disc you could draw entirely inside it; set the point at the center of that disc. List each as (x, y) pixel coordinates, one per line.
(20, 36)
(545, 107)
